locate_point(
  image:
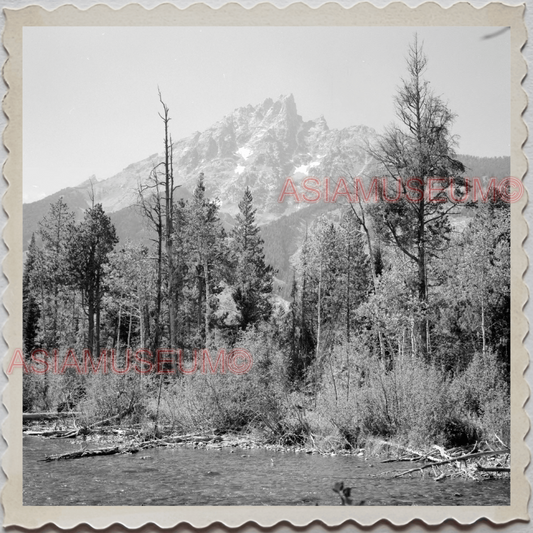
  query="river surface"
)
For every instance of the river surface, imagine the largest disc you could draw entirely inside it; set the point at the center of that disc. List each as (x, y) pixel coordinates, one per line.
(186, 476)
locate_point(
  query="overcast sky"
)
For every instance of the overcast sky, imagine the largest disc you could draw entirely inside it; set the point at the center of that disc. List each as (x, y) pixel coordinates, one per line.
(90, 102)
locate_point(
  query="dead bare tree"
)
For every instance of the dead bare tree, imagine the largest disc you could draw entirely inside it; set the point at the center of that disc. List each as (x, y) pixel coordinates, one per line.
(156, 199)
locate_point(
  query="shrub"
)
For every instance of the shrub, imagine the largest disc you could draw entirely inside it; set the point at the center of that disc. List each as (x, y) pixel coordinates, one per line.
(481, 392)
(410, 402)
(108, 395)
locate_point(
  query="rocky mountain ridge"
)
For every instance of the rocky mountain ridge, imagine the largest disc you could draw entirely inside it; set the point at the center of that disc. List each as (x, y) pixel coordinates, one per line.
(256, 146)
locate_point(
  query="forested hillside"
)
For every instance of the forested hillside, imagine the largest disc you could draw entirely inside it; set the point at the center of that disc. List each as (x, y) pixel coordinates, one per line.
(396, 323)
(486, 167)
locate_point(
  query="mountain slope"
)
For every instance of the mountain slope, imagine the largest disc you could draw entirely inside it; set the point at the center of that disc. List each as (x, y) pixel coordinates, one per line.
(256, 146)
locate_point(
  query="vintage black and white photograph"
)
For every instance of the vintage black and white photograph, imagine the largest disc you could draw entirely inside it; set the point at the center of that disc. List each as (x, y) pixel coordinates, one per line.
(266, 266)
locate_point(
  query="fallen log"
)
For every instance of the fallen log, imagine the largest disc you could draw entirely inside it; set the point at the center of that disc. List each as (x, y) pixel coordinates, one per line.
(82, 453)
(461, 458)
(127, 449)
(401, 460)
(46, 433)
(105, 451)
(493, 468)
(92, 453)
(421, 455)
(47, 416)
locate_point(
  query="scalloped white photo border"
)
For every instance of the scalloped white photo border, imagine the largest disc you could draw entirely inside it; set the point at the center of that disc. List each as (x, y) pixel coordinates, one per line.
(365, 14)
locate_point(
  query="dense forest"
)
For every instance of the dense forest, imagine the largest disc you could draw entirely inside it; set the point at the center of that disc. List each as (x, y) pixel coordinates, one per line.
(396, 321)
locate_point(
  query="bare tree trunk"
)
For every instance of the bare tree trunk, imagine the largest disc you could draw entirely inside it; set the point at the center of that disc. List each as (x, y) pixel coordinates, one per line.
(156, 425)
(90, 333)
(157, 328)
(129, 331)
(348, 317)
(98, 330)
(484, 346)
(169, 221)
(422, 292)
(207, 296)
(118, 328)
(317, 353)
(333, 380)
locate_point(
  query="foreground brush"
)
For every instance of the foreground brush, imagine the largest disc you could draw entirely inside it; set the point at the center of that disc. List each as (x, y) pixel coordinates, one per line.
(345, 494)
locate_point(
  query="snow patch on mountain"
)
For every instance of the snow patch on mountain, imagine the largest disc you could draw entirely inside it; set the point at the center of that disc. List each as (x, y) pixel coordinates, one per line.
(302, 169)
(244, 152)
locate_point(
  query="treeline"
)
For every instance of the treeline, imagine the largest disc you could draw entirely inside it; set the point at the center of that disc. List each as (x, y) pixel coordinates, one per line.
(83, 292)
(398, 324)
(490, 167)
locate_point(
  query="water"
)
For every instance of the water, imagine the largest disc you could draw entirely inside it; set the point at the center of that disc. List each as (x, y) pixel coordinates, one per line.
(186, 476)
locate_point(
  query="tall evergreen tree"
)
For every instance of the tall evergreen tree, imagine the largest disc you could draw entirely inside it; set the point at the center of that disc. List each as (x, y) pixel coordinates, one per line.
(90, 245)
(30, 307)
(253, 277)
(54, 231)
(208, 256)
(411, 154)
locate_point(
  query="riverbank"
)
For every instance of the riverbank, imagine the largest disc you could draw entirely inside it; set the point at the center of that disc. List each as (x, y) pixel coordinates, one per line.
(477, 463)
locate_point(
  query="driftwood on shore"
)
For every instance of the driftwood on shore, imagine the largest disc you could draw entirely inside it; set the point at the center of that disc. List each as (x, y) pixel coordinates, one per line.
(455, 459)
(66, 433)
(167, 441)
(414, 455)
(91, 453)
(493, 469)
(51, 433)
(27, 417)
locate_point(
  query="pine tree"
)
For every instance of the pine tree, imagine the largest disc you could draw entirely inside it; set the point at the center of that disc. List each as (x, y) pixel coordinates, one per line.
(412, 153)
(253, 277)
(53, 275)
(30, 307)
(205, 246)
(90, 244)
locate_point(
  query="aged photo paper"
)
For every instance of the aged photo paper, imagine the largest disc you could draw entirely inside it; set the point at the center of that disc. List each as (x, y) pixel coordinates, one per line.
(265, 265)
